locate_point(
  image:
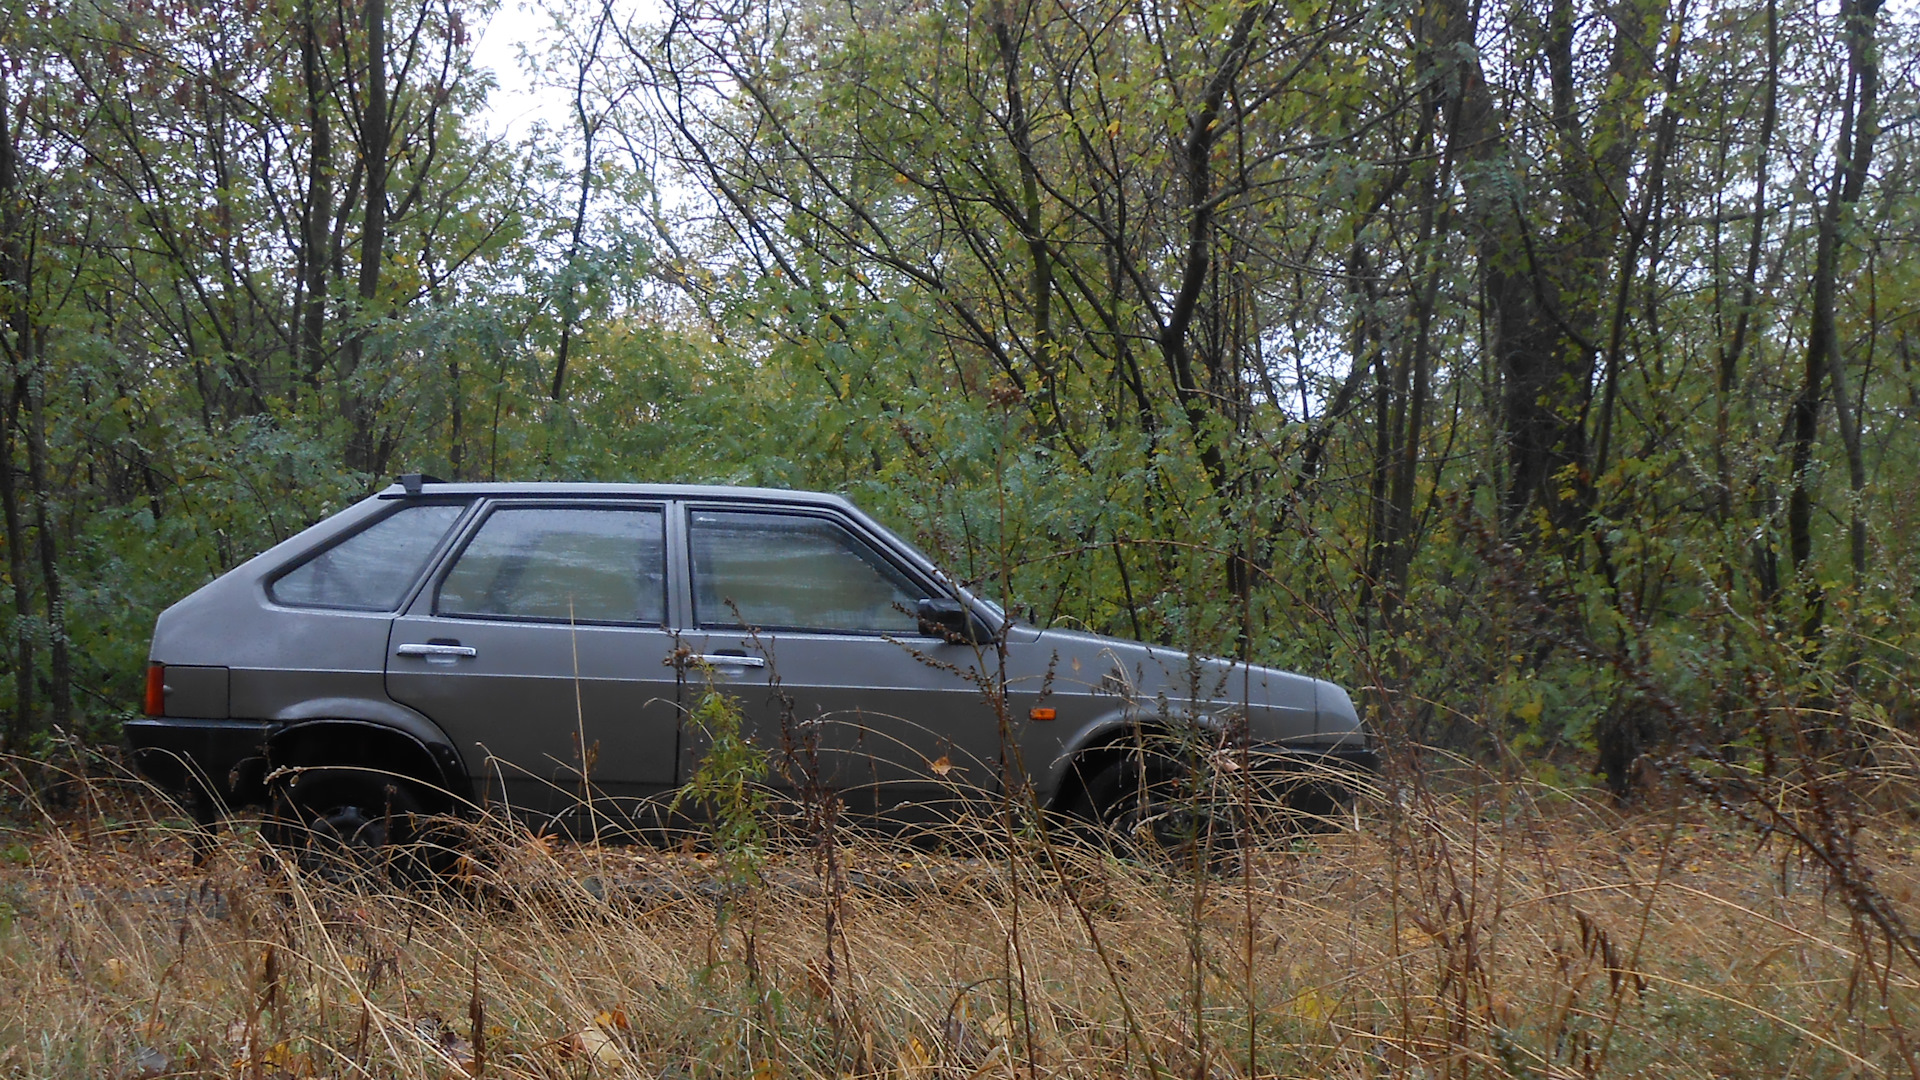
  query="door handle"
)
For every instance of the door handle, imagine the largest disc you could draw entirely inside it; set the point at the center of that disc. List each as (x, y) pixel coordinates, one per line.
(435, 650)
(726, 660)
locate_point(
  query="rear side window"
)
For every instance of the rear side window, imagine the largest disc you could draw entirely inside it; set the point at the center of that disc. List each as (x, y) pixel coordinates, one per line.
(793, 572)
(372, 569)
(562, 564)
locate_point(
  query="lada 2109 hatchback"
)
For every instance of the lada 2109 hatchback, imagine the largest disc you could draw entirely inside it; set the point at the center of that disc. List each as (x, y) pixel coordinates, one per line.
(447, 645)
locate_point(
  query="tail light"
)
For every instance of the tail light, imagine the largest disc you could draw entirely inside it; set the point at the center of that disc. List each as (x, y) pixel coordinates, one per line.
(156, 703)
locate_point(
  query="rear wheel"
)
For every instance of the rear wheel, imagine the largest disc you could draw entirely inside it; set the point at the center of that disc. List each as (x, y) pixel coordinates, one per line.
(350, 823)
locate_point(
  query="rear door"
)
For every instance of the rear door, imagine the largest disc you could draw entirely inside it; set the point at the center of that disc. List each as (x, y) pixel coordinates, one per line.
(542, 648)
(811, 627)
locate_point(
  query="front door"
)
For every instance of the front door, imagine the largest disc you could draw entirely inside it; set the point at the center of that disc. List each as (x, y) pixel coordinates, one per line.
(542, 649)
(812, 629)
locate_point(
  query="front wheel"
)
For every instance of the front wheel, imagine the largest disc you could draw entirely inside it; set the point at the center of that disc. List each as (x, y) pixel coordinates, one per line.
(1156, 803)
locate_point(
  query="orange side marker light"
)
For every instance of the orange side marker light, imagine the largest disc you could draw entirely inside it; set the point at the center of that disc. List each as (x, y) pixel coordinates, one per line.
(1040, 715)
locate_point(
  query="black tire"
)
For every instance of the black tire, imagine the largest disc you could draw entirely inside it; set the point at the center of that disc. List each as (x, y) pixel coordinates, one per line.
(351, 824)
(1150, 803)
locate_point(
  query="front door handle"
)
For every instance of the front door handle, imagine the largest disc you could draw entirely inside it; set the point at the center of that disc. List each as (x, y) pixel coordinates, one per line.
(436, 650)
(725, 660)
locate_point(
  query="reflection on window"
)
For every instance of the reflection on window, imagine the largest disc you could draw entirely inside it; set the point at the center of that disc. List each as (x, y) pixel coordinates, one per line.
(562, 565)
(372, 569)
(790, 572)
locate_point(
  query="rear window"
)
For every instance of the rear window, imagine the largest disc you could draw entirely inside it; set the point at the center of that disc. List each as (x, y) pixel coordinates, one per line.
(372, 569)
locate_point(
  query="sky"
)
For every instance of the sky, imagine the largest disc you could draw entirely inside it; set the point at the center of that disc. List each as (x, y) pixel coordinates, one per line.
(515, 102)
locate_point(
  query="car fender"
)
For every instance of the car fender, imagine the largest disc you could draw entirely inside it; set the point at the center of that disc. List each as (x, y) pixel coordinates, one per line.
(383, 715)
(1111, 727)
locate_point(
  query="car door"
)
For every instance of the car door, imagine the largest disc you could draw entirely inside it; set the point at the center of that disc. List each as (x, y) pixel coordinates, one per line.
(542, 648)
(811, 627)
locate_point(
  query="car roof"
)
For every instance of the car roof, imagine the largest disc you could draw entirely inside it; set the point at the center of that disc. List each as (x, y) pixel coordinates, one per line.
(571, 490)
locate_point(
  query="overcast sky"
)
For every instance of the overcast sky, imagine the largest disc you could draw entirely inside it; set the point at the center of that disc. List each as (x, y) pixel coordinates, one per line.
(514, 102)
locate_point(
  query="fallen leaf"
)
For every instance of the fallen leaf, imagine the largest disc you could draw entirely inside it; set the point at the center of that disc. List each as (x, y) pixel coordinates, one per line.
(593, 1044)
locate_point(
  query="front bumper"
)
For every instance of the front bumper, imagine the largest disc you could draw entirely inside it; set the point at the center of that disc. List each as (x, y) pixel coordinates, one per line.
(1350, 759)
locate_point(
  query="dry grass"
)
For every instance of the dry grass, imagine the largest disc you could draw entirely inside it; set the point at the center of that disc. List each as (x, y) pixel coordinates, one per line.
(1498, 931)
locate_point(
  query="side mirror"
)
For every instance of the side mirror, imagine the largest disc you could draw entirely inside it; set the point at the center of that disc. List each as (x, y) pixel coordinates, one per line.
(948, 619)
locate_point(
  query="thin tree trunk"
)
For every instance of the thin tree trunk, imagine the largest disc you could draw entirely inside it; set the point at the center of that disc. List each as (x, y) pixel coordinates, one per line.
(60, 682)
(589, 131)
(316, 213)
(375, 138)
(1730, 353)
(20, 723)
(456, 436)
(1864, 73)
(1852, 154)
(1426, 280)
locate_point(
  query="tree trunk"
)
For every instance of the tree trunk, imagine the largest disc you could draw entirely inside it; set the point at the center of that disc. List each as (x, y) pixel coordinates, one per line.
(15, 279)
(1853, 153)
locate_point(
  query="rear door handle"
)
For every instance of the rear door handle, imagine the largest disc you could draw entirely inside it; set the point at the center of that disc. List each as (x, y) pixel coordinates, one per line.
(435, 650)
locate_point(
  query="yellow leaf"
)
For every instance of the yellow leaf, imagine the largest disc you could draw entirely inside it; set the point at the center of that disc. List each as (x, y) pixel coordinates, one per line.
(1313, 1005)
(914, 1057)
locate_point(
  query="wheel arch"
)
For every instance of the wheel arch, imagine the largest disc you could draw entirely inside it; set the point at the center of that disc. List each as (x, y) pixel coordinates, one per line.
(1105, 738)
(359, 742)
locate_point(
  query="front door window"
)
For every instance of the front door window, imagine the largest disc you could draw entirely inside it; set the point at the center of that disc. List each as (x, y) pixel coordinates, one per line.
(792, 572)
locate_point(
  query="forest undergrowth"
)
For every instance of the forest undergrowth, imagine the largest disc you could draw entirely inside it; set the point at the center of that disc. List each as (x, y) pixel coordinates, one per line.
(1449, 925)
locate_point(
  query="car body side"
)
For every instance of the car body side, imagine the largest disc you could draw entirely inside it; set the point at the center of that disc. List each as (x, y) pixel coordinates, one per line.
(253, 686)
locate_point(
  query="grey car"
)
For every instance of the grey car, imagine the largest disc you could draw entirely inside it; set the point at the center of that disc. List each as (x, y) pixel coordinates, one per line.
(442, 646)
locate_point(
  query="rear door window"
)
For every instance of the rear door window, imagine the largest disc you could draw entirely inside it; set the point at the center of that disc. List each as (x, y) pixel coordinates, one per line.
(372, 569)
(562, 564)
(794, 572)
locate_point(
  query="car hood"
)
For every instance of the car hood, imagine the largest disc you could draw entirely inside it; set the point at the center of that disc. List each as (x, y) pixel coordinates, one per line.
(1279, 705)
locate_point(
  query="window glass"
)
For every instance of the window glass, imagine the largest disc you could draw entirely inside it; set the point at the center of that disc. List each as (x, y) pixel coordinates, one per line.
(372, 569)
(561, 565)
(789, 572)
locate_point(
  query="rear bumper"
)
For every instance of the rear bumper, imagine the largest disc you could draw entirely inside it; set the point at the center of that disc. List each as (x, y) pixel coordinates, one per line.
(202, 757)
